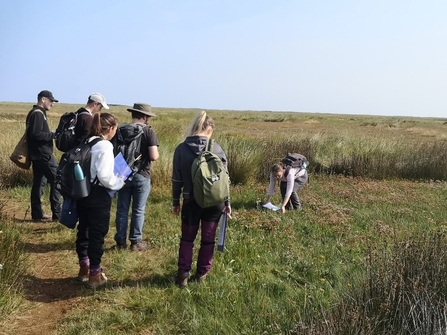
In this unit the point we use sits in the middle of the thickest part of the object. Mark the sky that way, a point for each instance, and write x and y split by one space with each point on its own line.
367 57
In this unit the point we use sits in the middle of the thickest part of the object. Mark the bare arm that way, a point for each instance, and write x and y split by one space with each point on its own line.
153 153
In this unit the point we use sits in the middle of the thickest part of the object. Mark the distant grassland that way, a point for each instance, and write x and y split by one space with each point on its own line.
352 145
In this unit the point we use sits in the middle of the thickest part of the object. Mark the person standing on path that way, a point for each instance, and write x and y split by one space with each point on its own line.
40 149
94 210
136 190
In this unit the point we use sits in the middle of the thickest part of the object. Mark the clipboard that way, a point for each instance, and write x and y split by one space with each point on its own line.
120 168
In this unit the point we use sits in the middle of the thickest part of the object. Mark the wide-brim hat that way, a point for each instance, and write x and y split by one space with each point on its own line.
142 108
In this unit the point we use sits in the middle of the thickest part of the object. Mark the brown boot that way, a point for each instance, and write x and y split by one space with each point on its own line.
83 274
140 246
198 277
181 280
97 281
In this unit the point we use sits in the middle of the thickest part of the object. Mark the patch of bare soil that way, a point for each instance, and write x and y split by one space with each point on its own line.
50 291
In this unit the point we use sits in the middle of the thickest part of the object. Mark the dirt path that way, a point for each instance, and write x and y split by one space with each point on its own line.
50 291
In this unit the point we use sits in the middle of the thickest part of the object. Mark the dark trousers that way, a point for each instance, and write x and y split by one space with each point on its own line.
44 171
94 221
294 201
193 218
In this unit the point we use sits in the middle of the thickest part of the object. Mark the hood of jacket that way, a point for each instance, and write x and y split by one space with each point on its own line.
196 143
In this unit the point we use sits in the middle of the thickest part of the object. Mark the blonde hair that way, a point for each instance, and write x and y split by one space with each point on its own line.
200 123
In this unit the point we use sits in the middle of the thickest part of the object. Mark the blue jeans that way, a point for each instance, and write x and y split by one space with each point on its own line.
137 190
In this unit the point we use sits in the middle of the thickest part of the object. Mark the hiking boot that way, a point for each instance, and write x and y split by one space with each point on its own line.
97 281
83 274
181 280
198 277
119 246
140 246
44 218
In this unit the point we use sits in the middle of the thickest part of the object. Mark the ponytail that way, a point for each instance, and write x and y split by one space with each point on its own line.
101 122
200 123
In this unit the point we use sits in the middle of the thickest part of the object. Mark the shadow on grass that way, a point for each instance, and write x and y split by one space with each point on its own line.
38 248
51 289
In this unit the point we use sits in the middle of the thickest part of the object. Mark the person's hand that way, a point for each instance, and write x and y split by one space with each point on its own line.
267 200
227 209
176 210
283 209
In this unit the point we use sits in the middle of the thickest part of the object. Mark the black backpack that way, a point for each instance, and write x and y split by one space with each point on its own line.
65 132
128 141
66 182
296 161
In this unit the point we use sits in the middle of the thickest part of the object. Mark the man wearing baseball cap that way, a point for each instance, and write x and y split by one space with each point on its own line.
40 149
95 103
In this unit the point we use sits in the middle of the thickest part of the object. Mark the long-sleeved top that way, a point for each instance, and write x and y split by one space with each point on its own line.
290 176
184 155
83 124
39 136
102 164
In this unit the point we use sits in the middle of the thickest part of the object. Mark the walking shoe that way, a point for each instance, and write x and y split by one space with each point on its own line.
97 281
83 274
140 246
44 218
181 280
198 277
119 246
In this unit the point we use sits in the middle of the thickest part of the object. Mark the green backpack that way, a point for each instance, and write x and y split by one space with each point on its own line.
210 181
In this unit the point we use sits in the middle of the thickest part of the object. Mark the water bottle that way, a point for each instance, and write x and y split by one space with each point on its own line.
78 173
304 166
81 184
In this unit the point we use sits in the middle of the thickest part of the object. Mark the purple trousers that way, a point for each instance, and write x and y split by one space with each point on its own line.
193 218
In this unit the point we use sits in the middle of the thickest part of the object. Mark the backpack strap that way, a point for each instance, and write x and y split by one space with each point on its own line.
91 144
210 145
32 112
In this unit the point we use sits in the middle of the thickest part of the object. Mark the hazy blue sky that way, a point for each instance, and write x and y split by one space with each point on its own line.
380 57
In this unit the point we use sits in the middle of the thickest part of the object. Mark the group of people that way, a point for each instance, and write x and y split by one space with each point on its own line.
94 210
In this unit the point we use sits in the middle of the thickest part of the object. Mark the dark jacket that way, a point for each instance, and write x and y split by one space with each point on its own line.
83 124
39 136
184 155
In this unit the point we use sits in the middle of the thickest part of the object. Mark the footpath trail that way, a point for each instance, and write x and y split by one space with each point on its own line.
50 290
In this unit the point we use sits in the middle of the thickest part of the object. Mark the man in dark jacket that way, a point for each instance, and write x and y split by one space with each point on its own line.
40 149
95 103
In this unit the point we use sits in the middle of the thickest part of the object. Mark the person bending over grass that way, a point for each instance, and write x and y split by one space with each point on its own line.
291 180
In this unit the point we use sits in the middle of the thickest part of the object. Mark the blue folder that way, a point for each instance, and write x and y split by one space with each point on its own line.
120 168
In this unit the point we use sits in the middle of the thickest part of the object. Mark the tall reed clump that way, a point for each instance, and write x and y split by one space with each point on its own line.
403 291
243 156
12 266
377 158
